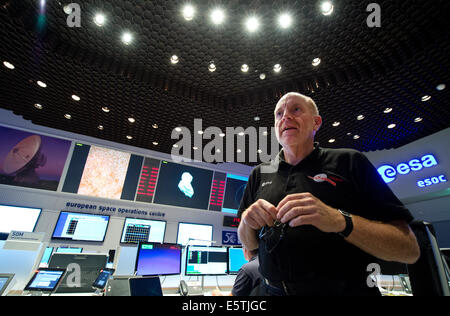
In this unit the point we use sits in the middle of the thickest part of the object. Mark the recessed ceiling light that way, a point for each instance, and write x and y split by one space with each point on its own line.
418 119
335 124
391 126
155 143
238 151
212 67
174 59
99 19
100 127
241 133
349 134
284 20
195 148
222 134
316 62
155 125
218 150
244 68
262 76
38 106
327 8
75 97
332 140
131 119
67 9
41 84
256 118
217 16
68 116
360 117
356 137
127 38
200 132
105 109
8 65
129 137
441 87
265 133
387 110
277 68
252 24
426 98
175 145
188 12
178 129
259 151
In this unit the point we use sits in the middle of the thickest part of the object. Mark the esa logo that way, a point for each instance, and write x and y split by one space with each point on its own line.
389 173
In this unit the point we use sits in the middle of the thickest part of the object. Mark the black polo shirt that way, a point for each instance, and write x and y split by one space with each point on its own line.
323 262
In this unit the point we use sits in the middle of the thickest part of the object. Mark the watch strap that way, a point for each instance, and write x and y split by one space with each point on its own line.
348 224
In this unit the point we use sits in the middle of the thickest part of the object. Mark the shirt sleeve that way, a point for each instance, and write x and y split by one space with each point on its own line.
380 202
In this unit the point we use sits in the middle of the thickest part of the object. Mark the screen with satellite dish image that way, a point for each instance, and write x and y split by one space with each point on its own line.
31 160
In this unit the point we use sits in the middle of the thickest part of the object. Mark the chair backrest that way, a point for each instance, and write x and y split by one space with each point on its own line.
427 275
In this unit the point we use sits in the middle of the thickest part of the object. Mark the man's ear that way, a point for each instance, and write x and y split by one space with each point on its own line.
317 122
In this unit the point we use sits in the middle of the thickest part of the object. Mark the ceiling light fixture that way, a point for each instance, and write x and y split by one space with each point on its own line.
217 16
127 38
336 124
155 143
188 12
327 8
41 84
38 106
356 137
212 67
68 116
418 119
387 110
244 68
105 109
441 87
100 127
155 126
129 137
252 24
99 19
277 68
426 98
174 59
131 119
332 140
316 62
262 76
75 97
284 20
8 65
360 117
390 126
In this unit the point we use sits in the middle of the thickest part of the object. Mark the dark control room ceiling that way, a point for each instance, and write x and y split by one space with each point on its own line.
369 78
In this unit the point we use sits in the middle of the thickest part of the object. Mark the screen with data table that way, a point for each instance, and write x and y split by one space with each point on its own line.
137 230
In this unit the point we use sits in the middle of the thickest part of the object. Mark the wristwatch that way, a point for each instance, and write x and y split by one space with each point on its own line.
348 224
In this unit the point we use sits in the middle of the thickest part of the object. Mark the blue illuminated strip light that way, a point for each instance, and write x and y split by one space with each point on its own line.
234 176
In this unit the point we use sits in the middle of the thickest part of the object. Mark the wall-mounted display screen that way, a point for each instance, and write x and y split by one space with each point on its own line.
103 172
185 186
147 180
17 218
31 160
195 234
234 191
217 191
80 226
158 259
206 260
137 230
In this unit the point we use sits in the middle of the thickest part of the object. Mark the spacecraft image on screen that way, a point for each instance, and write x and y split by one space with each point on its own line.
185 184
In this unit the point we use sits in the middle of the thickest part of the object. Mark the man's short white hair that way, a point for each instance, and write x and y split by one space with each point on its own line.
310 101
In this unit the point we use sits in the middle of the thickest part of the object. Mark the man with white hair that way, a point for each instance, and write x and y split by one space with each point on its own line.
320 216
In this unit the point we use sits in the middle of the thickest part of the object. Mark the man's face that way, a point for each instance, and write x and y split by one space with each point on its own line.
295 121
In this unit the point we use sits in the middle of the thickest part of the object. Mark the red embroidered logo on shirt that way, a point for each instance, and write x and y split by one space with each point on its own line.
321 177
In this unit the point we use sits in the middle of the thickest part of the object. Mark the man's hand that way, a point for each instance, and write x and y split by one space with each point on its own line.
305 209
260 214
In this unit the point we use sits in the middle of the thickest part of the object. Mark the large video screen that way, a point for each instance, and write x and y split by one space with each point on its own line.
206 260
103 172
234 190
137 230
31 160
194 234
81 226
17 218
185 186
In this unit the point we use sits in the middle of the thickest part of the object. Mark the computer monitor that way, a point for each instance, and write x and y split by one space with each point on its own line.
17 218
46 256
83 270
81 226
137 230
103 278
69 250
206 260
234 191
194 234
154 259
45 280
236 260
146 286
5 279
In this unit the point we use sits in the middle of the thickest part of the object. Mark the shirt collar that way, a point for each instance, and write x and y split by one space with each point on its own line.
312 156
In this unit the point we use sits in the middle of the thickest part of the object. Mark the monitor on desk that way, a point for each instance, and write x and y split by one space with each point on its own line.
147 286
236 260
206 260
45 280
69 250
5 279
154 259
194 234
